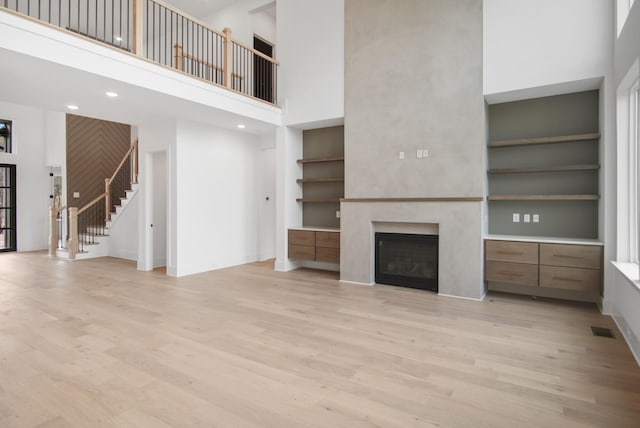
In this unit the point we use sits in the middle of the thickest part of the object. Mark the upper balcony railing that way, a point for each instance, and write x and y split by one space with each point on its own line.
158 32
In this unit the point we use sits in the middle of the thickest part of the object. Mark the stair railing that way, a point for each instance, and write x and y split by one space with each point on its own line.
115 187
84 225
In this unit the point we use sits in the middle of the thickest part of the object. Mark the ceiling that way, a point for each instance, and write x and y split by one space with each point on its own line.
50 86
200 8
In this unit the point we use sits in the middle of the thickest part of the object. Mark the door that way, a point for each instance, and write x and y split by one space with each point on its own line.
159 196
263 71
8 236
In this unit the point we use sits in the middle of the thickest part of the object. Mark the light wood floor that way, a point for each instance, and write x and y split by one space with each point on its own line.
98 344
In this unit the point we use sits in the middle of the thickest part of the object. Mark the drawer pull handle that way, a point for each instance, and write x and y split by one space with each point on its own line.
514 253
567 256
505 272
564 278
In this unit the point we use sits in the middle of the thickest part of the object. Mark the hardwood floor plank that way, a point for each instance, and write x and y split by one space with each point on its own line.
97 343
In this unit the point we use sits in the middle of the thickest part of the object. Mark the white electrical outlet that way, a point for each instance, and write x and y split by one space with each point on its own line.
76 194
419 153
526 218
516 218
337 214
401 155
536 218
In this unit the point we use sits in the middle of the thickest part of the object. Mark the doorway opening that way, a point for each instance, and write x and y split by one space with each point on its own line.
263 74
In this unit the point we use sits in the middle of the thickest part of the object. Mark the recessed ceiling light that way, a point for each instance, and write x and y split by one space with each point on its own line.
111 94
72 107
241 126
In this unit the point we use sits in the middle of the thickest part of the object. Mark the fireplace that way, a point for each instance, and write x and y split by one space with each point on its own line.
407 260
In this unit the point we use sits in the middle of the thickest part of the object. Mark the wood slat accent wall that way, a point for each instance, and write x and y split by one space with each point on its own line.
94 150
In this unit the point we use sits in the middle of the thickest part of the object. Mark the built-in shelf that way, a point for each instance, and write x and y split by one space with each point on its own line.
557 168
543 197
320 180
321 160
544 140
318 200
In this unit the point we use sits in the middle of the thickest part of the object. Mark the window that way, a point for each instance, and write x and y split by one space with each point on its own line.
623 7
634 166
628 168
5 136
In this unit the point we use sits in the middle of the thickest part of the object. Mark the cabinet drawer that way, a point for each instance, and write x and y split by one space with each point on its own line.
511 251
328 239
512 273
580 256
570 278
302 252
329 255
302 237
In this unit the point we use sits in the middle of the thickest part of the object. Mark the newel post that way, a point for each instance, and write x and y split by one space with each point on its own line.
178 54
73 233
228 57
138 29
107 200
53 230
135 163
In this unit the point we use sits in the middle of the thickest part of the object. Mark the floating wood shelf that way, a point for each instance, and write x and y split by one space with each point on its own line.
558 168
320 180
544 140
319 200
543 197
320 160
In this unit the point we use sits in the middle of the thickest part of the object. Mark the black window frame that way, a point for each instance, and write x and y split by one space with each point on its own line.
13 245
8 126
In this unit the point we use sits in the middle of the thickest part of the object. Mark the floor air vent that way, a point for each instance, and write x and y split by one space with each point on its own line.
602 332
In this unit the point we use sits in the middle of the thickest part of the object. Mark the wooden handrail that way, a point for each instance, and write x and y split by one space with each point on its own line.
179 55
124 159
90 204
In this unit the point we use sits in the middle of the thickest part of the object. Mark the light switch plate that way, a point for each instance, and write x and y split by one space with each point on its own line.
76 194
401 155
425 153
516 217
419 153
337 214
536 218
526 218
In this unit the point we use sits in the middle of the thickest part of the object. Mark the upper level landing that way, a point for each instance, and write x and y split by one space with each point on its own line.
172 67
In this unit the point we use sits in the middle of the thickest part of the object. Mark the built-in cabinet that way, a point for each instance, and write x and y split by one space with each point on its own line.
543 195
317 245
573 267
322 187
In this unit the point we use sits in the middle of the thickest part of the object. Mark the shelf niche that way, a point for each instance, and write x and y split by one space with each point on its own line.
543 158
322 176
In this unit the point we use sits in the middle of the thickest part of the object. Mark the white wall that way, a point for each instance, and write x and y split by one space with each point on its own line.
218 190
159 160
56 138
32 177
153 138
123 234
531 43
310 48
244 20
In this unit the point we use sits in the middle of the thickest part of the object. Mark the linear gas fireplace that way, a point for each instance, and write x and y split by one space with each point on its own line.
407 260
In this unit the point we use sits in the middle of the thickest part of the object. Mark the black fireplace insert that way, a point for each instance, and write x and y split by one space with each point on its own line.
407 260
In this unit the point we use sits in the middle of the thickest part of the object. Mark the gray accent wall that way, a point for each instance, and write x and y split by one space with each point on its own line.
413 80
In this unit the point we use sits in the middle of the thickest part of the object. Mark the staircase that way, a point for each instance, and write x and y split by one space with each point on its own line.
83 233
